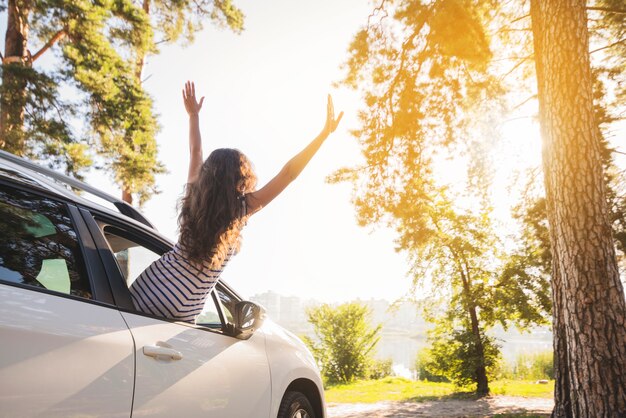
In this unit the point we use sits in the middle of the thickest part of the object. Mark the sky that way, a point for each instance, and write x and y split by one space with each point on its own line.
265 94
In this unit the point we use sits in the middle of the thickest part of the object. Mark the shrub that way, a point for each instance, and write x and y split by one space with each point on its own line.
422 361
534 366
345 341
380 368
455 355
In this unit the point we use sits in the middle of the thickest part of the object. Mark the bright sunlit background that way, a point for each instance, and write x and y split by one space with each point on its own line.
266 95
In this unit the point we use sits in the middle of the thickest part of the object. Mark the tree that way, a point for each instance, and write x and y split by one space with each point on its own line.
589 306
458 354
426 86
38 122
429 89
345 341
473 286
172 19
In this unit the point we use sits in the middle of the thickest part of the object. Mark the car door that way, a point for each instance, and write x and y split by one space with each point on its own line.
66 350
182 369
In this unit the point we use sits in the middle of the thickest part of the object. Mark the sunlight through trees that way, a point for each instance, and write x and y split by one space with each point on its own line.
432 75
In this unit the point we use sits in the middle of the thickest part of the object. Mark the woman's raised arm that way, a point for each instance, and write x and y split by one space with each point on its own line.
260 198
195 140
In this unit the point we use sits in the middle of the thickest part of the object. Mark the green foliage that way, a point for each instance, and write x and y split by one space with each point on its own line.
174 19
456 354
423 360
473 286
532 366
120 111
45 132
379 369
345 341
95 40
107 110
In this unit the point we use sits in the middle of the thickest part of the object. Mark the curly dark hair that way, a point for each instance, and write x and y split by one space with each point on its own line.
211 215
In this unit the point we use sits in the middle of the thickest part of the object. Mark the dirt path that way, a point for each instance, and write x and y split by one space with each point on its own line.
485 407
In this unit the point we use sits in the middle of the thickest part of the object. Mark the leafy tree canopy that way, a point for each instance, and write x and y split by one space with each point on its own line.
90 96
437 78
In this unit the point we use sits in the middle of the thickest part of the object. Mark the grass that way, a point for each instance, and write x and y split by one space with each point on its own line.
522 388
387 389
401 389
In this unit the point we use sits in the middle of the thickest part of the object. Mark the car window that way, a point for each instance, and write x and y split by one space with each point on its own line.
132 258
39 245
210 316
227 303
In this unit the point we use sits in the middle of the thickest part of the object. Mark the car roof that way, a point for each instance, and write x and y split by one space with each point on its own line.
32 175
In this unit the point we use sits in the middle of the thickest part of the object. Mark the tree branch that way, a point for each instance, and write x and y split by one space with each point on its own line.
520 18
523 60
608 46
163 41
534 96
381 7
608 10
56 38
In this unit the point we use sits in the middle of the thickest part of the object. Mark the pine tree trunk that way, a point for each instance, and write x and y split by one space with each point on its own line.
126 195
13 100
589 310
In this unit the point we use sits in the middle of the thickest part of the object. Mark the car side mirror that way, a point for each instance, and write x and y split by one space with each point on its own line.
248 318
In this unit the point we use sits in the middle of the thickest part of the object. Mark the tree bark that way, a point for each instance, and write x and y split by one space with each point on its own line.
16 56
589 310
482 382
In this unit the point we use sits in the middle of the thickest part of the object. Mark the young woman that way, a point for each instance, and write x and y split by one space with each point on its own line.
220 197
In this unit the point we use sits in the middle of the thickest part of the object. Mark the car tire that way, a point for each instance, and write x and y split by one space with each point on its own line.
295 405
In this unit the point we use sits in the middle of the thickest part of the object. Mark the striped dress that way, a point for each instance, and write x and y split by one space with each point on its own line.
172 287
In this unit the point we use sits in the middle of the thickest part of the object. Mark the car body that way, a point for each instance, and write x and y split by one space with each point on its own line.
73 343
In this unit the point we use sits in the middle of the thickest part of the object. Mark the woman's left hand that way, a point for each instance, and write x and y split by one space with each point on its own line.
189 99
331 122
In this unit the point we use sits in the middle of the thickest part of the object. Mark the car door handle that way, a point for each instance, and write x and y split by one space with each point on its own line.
161 350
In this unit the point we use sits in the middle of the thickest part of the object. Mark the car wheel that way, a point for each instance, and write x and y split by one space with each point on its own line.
295 405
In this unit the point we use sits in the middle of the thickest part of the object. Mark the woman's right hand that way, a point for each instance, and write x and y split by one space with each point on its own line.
189 99
331 123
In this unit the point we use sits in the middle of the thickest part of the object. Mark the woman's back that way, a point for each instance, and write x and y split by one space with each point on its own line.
173 287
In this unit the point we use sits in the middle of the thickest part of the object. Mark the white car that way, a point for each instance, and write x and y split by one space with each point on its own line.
73 345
